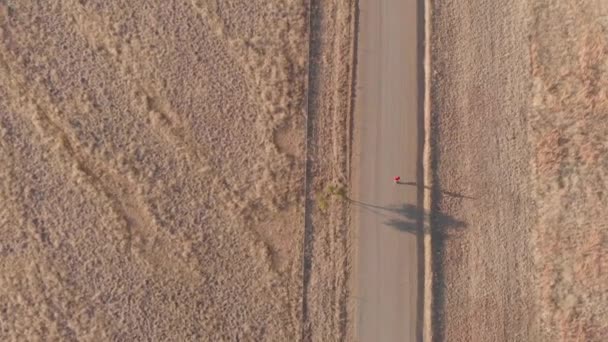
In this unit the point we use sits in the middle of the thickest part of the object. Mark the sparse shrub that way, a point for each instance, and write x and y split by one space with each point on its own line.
330 191
341 192
322 203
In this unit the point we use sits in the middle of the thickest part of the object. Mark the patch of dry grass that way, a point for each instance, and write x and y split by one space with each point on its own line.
568 130
329 109
152 169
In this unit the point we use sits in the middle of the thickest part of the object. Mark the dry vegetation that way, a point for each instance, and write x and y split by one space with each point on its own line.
569 126
154 161
525 127
483 270
152 170
329 105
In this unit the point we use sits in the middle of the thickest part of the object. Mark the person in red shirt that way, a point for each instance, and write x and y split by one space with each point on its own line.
397 179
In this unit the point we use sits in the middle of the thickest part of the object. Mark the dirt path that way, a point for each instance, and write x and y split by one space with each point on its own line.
386 216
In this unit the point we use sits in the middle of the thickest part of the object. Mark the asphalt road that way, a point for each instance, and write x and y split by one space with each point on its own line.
387 273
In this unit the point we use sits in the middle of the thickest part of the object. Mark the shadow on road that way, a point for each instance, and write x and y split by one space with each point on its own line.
409 218
413 219
447 193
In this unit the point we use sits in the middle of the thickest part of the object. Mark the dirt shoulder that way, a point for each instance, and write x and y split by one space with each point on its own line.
327 259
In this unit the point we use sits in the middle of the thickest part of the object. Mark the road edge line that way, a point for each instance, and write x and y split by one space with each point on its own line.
427 180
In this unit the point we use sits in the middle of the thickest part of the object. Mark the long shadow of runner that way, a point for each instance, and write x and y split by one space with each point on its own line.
414 220
443 192
409 218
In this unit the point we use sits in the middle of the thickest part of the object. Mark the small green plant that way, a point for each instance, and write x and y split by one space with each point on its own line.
330 191
341 192
322 203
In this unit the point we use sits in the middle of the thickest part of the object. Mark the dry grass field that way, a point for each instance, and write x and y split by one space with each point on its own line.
520 106
152 176
568 130
173 170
